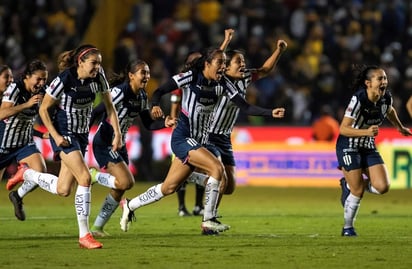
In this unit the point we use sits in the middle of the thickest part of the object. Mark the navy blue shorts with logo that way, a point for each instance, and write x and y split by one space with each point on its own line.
103 153
77 142
351 159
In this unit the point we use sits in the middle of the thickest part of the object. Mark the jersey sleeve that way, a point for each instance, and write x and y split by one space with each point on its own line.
55 89
117 95
11 93
353 108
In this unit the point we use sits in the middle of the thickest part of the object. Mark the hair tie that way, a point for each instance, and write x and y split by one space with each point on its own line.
84 52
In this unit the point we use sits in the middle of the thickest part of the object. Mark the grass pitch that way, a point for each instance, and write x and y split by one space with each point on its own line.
271 228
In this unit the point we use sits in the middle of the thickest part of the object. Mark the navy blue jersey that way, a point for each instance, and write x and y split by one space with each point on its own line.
364 114
128 106
76 98
226 112
199 97
17 130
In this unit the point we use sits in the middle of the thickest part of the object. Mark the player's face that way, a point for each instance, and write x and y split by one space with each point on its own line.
214 69
89 68
236 68
6 77
140 78
36 81
377 85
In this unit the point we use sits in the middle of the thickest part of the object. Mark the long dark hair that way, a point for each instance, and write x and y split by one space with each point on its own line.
207 56
32 67
360 74
132 67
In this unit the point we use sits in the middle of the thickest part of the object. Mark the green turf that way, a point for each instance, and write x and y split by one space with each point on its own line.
271 228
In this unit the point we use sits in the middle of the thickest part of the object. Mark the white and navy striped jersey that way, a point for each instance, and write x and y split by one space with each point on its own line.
365 114
17 130
128 106
199 97
76 100
226 112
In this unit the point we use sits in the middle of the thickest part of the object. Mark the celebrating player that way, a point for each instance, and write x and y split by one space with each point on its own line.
355 148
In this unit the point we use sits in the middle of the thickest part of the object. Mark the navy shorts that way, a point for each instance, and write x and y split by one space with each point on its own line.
181 145
351 159
223 144
77 142
104 154
10 156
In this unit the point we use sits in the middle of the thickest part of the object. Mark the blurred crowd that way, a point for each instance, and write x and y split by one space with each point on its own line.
325 38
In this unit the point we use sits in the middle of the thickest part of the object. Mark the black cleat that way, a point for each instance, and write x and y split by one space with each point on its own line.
18 205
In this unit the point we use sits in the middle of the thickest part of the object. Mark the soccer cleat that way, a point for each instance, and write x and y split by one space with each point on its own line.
183 212
93 174
206 231
18 205
127 215
18 177
198 211
89 242
345 191
98 232
349 232
214 225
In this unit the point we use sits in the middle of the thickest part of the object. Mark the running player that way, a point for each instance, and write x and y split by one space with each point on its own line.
65 111
201 89
19 110
356 151
130 99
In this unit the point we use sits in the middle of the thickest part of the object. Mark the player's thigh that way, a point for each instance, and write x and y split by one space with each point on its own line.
35 162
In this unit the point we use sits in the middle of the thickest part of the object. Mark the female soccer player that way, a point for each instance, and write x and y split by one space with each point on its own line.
130 100
201 89
356 151
175 99
226 112
65 111
19 110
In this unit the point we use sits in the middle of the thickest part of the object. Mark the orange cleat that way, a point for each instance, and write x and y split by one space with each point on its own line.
89 242
18 177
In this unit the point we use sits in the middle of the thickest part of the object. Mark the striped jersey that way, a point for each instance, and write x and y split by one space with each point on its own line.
17 130
128 106
76 100
199 97
226 112
365 114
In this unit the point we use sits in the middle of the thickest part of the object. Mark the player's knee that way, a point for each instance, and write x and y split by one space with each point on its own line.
124 186
383 189
64 193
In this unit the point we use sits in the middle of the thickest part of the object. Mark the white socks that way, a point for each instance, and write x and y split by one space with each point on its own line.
106 211
45 181
351 209
82 204
211 195
104 179
198 178
25 188
152 195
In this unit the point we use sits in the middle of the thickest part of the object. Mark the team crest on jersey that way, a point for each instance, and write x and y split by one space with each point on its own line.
384 108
